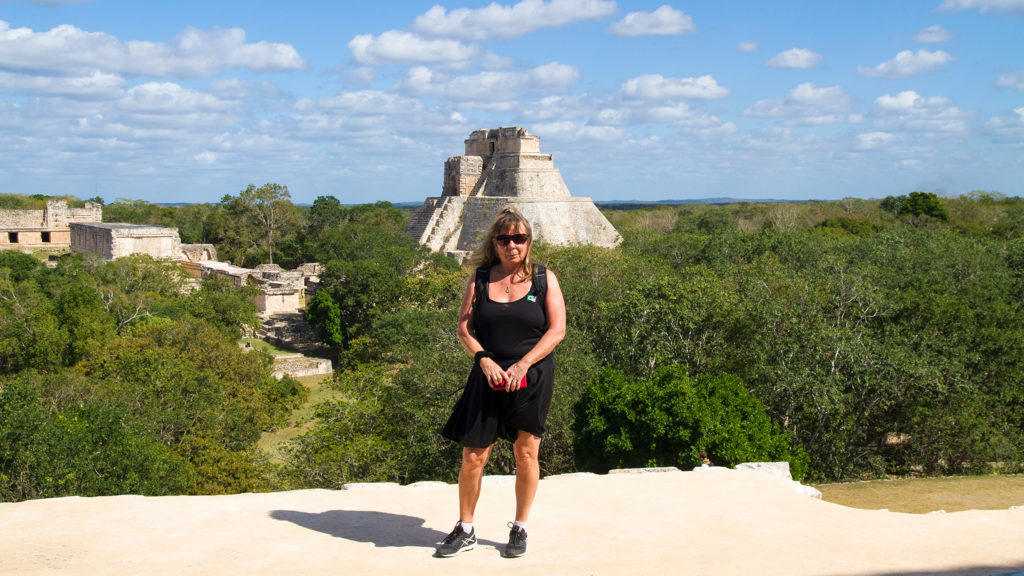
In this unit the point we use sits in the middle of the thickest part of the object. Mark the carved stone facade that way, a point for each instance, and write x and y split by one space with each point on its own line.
504 167
117 239
45 229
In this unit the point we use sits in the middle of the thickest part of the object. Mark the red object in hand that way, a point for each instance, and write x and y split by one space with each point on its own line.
522 384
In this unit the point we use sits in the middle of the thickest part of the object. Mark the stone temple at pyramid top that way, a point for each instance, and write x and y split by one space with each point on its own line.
505 167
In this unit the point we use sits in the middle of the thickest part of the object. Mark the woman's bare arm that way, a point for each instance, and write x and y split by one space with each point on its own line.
494 374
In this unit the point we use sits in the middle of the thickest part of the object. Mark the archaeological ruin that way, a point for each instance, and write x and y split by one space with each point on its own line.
112 240
504 167
46 229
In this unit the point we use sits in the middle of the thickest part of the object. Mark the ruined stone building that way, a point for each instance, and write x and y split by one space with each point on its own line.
46 229
504 167
280 291
113 240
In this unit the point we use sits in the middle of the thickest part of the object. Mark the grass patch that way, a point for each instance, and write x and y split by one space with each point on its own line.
264 346
922 495
301 418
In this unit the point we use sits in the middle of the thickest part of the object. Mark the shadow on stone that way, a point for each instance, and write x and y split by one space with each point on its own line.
379 528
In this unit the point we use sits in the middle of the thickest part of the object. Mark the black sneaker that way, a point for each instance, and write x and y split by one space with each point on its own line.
456 543
516 542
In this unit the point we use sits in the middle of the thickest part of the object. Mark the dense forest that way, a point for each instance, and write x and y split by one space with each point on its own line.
853 338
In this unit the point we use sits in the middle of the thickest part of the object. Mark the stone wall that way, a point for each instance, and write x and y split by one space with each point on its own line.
503 140
14 219
462 175
575 221
297 365
35 239
199 252
117 240
47 228
275 301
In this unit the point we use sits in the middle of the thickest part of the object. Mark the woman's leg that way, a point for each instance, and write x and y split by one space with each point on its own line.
470 477
526 449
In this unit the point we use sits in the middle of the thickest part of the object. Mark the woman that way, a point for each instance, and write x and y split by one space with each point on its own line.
511 319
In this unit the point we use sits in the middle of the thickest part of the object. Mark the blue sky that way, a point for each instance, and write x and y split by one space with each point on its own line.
187 101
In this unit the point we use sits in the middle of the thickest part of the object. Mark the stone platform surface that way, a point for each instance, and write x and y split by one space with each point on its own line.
711 521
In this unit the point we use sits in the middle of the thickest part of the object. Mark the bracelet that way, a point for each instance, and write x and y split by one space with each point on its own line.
481 355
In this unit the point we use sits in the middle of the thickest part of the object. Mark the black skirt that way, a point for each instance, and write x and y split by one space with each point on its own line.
482 415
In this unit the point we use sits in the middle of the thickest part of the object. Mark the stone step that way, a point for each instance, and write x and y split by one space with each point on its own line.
421 220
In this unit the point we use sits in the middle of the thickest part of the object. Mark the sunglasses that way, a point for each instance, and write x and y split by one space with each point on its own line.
504 239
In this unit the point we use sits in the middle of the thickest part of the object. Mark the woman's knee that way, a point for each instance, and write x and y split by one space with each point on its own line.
526 449
475 458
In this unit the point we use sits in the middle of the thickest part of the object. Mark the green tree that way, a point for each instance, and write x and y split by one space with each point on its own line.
270 205
669 419
925 204
324 314
64 443
325 213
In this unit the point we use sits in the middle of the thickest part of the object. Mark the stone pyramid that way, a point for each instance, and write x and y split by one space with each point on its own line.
504 167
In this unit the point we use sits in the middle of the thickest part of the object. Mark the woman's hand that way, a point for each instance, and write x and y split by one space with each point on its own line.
494 374
515 375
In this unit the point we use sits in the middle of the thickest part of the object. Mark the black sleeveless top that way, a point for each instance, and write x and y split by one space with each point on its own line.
511 329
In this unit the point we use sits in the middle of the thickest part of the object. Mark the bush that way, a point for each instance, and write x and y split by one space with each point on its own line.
669 419
87 448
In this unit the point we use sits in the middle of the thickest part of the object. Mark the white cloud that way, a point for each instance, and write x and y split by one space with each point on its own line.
361 76
795 58
747 46
560 107
1013 80
371 102
662 22
872 140
656 87
205 157
231 88
492 61
1011 124
498 21
986 6
933 34
908 63
395 48
97 86
572 131
906 102
169 98
806 104
194 53
677 114
489 86
909 110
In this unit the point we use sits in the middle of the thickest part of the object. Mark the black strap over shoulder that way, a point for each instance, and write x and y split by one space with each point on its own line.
540 283
481 284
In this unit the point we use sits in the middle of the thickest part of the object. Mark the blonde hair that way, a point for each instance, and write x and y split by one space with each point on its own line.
508 219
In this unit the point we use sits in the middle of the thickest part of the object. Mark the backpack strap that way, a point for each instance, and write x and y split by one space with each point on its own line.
540 282
482 274
540 289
